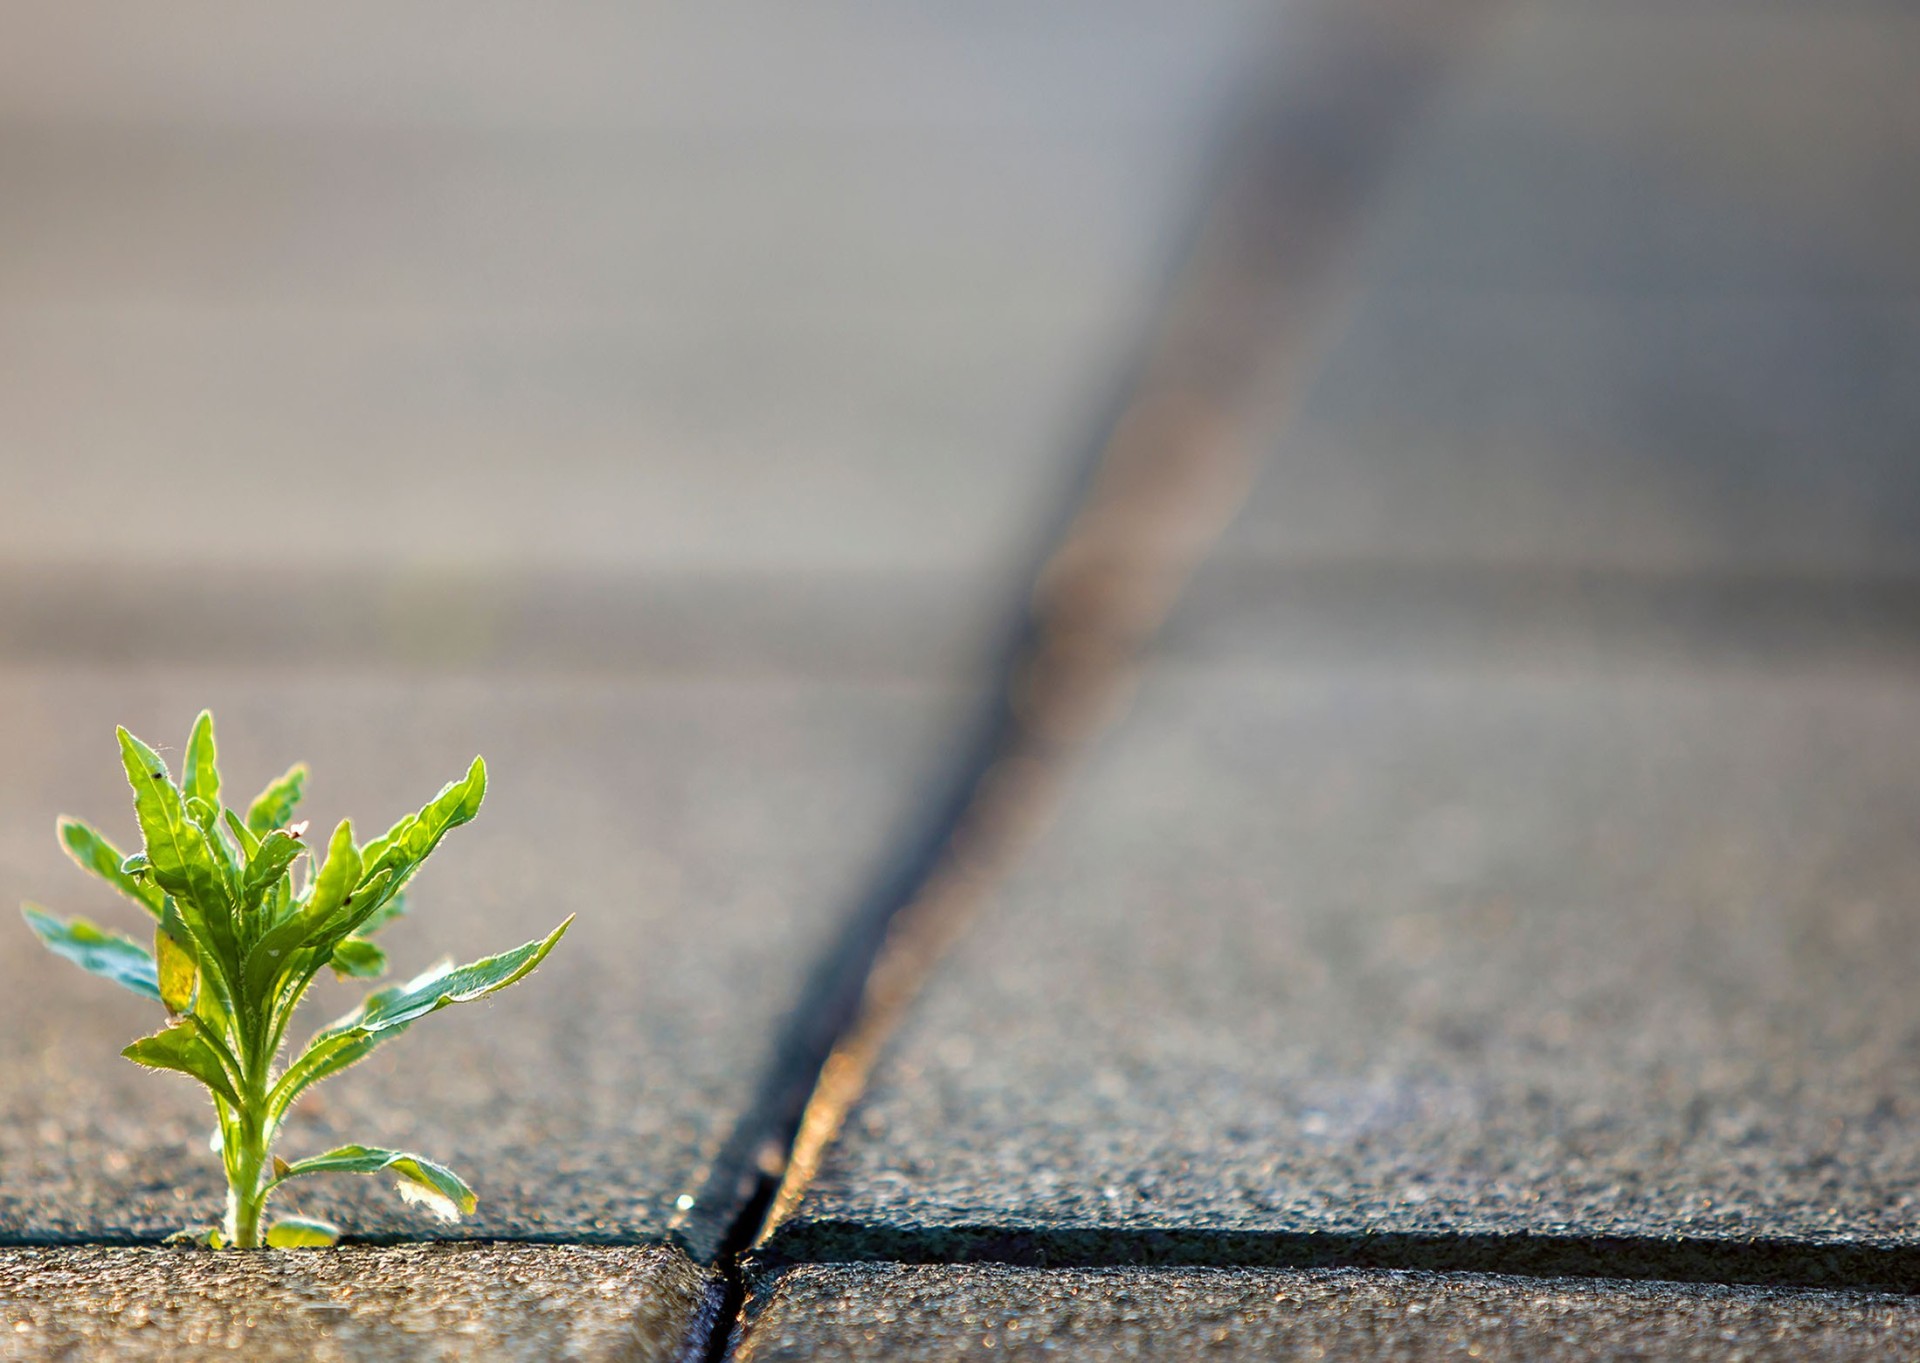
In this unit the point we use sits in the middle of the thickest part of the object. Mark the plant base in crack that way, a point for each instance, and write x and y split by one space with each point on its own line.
243 920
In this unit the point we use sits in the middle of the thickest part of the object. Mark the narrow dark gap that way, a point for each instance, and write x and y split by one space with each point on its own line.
746 1175
1294 162
1679 1259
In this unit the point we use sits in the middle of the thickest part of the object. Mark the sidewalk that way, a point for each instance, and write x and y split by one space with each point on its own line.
1475 924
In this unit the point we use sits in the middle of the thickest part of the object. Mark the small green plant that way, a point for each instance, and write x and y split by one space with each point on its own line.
243 922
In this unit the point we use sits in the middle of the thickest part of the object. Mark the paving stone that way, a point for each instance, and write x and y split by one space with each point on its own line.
453 383
833 295
709 831
1669 148
1639 296
1474 960
1669 435
884 1311
481 1302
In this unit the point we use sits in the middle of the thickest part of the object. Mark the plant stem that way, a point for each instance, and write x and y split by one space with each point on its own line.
246 1167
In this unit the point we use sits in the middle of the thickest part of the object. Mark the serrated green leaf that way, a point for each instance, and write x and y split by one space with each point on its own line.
435 1184
102 953
273 807
199 773
176 963
388 1012
442 987
357 958
183 862
182 1048
302 1232
322 1059
403 847
91 852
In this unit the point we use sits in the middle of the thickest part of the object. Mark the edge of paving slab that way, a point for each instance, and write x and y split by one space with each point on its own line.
1757 1262
499 1300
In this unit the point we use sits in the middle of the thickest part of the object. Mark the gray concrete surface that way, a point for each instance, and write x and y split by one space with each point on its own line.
659 406
1507 861
883 1311
485 1303
618 289
1641 297
708 830
1474 952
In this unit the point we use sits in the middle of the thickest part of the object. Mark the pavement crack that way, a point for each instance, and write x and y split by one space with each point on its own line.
1757 1262
1167 467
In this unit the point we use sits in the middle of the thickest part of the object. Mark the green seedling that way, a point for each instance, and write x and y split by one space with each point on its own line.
244 919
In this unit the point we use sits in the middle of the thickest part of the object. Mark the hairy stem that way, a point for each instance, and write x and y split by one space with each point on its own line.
246 1155
246 1198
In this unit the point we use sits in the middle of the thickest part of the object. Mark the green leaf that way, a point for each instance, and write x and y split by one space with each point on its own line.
403 847
440 987
183 862
182 1048
444 1191
106 954
268 961
199 776
176 962
302 1232
273 807
91 852
322 1059
388 1012
275 853
359 959
243 837
207 817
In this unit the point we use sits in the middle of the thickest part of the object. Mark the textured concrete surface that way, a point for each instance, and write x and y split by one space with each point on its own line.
1509 859
1476 952
883 1311
486 1303
1640 297
671 439
708 830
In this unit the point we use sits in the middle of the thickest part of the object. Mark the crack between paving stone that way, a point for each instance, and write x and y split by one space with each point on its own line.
1170 465
1756 1262
1230 348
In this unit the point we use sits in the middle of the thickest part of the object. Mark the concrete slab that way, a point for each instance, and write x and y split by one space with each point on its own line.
1660 149
1607 432
482 1302
1410 963
1639 265
633 291
709 830
886 1311
811 316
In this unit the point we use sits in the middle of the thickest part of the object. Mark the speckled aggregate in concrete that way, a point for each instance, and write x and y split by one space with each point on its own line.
825 305
707 830
1476 952
859 1312
485 1303
1515 837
